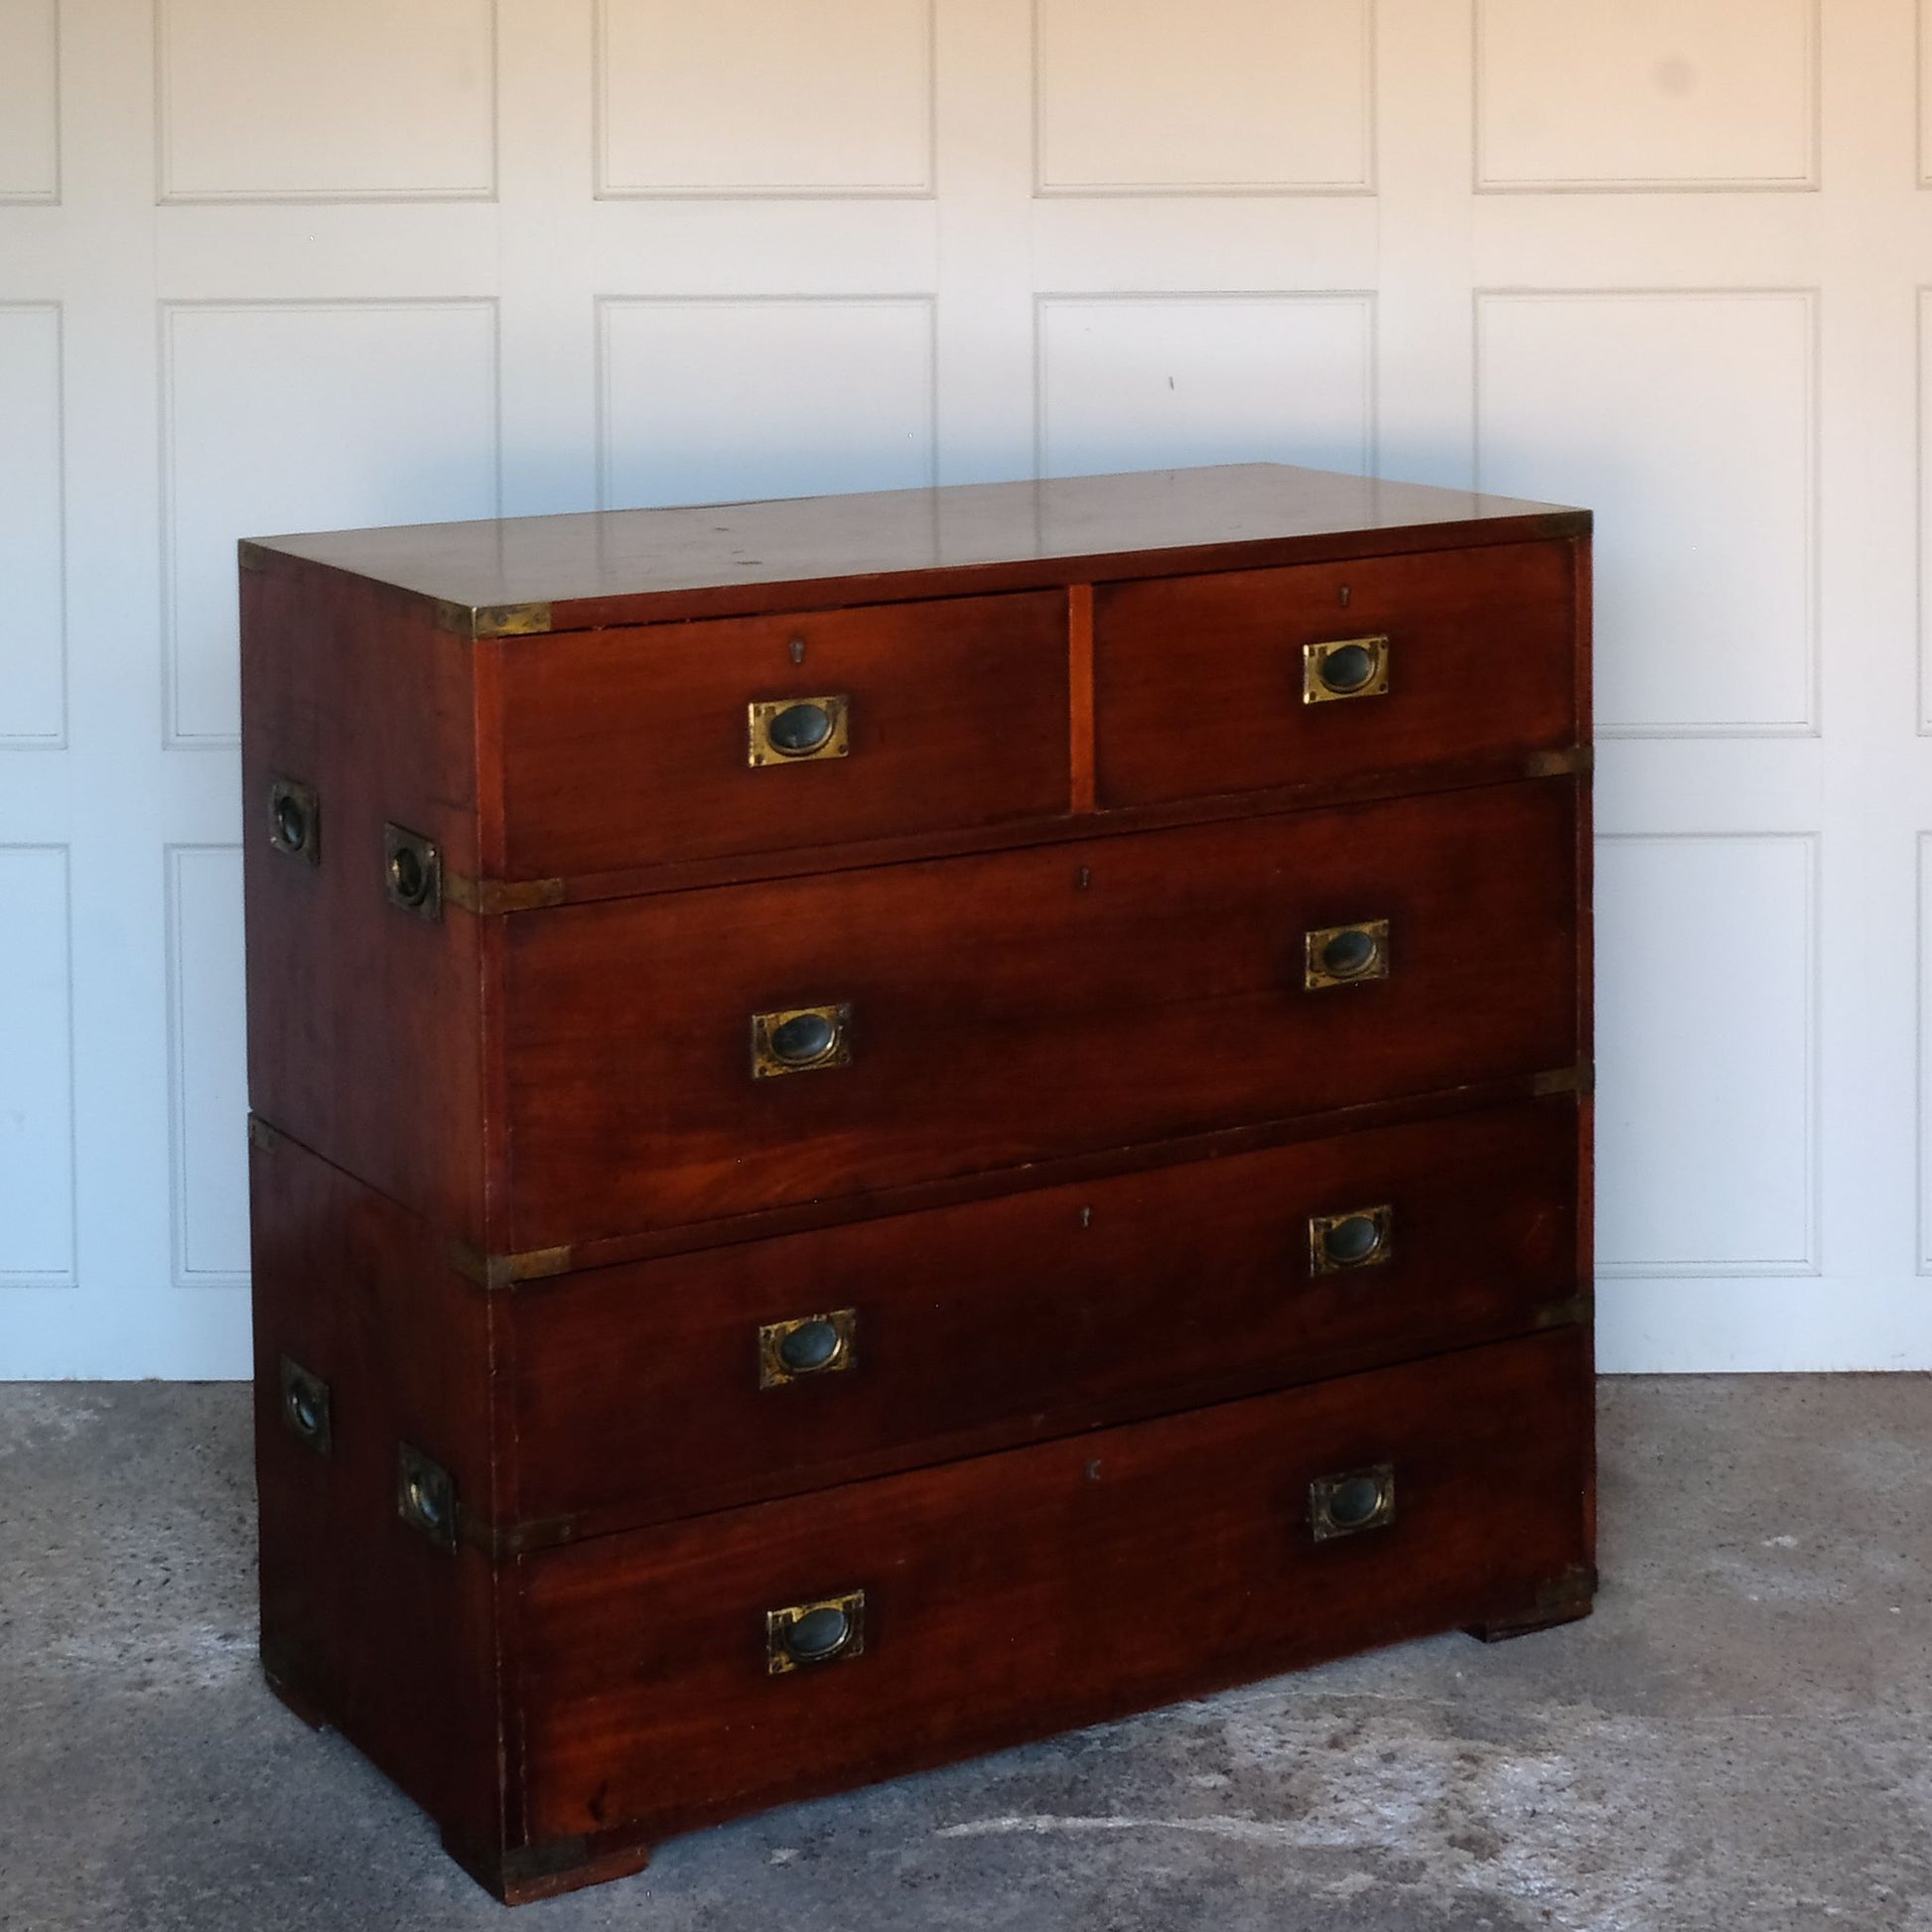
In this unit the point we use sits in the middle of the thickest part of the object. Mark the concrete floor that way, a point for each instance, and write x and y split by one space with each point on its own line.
1740 1739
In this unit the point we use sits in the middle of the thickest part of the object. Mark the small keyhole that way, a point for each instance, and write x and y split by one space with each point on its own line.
1083 879
1347 593
798 646
1086 1217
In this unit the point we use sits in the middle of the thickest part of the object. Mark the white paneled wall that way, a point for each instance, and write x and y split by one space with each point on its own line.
268 266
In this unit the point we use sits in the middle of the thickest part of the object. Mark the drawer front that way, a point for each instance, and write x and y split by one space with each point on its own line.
1205 685
992 1011
665 1388
636 746
1019 1595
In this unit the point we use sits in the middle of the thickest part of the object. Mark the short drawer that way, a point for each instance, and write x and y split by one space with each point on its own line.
702 1056
1251 680
676 1675
638 746
664 1388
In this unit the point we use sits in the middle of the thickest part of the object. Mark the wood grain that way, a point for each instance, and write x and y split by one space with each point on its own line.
1015 1595
1004 1012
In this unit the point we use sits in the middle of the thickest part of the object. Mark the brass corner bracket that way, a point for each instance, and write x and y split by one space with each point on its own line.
475 621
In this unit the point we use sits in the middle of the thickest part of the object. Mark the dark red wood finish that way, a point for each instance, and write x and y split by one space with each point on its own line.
1004 1012
635 1389
626 748
620 1396
611 567
1013 1595
1063 880
1200 680
365 1623
365 1034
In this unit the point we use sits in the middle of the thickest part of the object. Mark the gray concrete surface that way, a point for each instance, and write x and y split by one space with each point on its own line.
1740 1739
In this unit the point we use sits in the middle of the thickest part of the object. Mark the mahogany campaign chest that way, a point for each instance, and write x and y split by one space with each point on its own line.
885 1125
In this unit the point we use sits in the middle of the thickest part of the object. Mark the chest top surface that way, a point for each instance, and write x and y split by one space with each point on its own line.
593 568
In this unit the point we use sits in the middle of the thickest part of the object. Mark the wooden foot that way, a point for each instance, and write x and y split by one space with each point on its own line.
527 1872
311 1713
1563 1599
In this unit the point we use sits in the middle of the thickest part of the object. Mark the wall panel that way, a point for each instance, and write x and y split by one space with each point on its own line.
1647 93
355 100
1707 1048
1130 381
30 129
307 416
1225 97
763 97
37 1176
208 1067
1686 419
33 640
828 393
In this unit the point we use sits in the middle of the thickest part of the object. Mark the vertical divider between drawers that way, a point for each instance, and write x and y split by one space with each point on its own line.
1080 708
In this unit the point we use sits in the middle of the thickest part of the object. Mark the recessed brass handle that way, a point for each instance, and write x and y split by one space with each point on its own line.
810 1344
1347 667
295 820
800 1040
827 1630
1345 955
794 731
1356 1239
424 1496
304 1407
1353 1501
412 871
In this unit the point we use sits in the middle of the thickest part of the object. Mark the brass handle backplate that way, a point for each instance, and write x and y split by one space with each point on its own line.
412 871
1347 667
1345 955
1351 1503
827 1630
800 1040
424 1496
796 731
295 820
304 1407
1357 1239
806 1346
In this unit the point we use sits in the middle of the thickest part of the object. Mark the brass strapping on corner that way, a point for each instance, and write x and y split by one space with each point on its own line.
473 620
1566 1079
260 1133
506 1271
250 556
492 895
1558 764
1573 1313
501 1540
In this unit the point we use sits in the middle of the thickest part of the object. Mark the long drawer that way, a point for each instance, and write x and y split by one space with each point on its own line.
681 1673
1250 679
667 1387
693 1057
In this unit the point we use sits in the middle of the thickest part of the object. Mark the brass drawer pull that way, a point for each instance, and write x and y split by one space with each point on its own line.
794 731
424 1496
1356 1239
1350 667
1346 955
295 820
1353 1501
825 1631
412 871
800 1040
812 1344
304 1407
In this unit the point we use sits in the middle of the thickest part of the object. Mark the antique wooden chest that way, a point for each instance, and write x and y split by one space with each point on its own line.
885 1125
